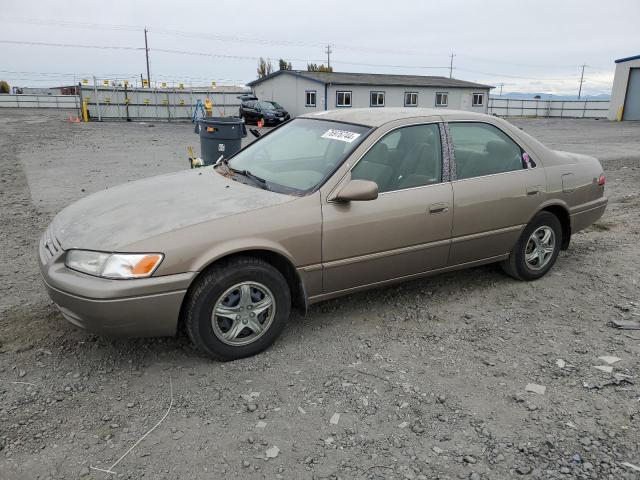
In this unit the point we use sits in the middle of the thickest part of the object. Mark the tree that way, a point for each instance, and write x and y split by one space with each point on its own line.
264 67
312 67
284 65
4 87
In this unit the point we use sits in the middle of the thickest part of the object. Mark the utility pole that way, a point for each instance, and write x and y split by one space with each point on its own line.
451 66
328 51
501 85
146 51
581 81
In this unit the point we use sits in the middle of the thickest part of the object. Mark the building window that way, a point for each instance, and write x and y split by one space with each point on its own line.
478 99
343 99
310 98
410 99
376 99
442 99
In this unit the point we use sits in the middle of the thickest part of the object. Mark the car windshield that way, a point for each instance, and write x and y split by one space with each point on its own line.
275 104
297 157
267 105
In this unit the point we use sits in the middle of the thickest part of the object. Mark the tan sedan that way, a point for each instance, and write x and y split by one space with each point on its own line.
327 204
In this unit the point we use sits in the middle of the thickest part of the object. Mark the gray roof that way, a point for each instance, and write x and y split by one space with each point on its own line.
376 117
375 79
628 59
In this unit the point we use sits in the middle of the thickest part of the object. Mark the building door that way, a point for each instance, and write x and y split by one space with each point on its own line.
632 100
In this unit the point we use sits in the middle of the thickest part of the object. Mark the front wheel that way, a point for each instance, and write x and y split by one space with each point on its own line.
537 248
237 309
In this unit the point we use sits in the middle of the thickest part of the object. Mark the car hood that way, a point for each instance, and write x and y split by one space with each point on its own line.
114 218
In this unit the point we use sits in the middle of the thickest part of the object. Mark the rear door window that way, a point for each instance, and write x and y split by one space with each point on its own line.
482 149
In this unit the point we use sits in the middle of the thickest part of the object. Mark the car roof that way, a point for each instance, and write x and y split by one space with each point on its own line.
376 117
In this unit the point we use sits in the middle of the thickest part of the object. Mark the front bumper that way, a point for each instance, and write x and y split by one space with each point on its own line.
276 120
140 307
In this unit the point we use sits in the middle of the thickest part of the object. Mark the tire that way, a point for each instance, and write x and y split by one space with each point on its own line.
237 289
540 262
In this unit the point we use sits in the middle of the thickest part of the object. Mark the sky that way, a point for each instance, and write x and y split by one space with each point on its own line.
525 46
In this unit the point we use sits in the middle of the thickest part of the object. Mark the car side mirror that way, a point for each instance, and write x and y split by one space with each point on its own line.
357 190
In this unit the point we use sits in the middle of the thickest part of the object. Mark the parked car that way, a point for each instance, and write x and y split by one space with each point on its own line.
271 113
325 205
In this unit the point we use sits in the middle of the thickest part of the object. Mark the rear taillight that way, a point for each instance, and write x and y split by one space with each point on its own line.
601 180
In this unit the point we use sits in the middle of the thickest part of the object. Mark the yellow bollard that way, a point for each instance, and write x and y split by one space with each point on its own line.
208 107
85 112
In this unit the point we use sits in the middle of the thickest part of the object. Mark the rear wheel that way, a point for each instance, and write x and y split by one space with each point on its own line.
237 309
537 248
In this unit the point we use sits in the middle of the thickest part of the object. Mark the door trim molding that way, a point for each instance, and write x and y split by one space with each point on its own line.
475 236
460 266
386 253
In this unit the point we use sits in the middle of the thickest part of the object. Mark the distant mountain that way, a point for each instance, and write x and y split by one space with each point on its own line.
550 96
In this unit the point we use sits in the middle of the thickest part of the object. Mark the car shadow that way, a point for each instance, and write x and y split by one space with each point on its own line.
54 332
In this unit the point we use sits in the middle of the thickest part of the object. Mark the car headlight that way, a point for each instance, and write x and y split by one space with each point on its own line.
113 265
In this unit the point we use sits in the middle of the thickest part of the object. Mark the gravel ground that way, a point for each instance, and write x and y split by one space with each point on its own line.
424 380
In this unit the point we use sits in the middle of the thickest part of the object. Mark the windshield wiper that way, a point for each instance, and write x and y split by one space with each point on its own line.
250 175
261 182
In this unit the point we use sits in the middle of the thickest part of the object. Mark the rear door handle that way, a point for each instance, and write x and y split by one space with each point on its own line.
533 190
436 208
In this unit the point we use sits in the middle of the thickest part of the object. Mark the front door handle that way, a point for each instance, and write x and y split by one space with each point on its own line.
436 208
535 190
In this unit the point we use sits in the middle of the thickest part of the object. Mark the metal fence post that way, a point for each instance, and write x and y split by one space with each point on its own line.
95 92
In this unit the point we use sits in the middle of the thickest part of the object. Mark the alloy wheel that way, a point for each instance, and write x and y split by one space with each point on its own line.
540 248
243 313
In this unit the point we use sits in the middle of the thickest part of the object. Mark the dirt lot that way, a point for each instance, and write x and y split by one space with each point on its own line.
428 378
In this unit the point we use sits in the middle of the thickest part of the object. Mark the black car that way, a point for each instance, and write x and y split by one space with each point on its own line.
271 113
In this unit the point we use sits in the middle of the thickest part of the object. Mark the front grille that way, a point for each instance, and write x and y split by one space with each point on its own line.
50 244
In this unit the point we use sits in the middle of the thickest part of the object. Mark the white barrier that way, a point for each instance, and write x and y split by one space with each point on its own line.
509 107
67 102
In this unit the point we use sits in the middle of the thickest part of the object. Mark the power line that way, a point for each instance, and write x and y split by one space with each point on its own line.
515 64
262 41
253 58
302 60
493 74
71 24
70 45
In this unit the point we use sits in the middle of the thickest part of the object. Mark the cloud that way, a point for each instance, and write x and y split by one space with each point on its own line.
522 44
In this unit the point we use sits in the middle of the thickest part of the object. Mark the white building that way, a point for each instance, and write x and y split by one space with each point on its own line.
625 96
301 92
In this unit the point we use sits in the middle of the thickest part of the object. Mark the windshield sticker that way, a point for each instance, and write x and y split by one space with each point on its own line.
342 135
